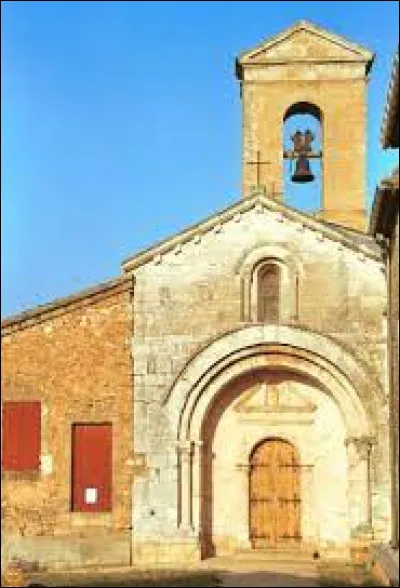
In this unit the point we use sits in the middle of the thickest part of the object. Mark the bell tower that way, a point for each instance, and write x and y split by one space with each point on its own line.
307 70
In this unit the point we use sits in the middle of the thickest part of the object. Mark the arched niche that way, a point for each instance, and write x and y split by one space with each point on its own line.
290 270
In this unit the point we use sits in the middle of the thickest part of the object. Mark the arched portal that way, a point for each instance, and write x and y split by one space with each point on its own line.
262 382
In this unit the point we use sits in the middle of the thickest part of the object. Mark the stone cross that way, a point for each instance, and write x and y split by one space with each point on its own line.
258 163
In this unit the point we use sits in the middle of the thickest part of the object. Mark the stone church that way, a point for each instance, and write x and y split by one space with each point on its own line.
229 390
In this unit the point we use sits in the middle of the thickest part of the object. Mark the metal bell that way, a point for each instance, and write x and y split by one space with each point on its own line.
302 173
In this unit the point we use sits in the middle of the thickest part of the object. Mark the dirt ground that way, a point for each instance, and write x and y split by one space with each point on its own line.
345 574
224 572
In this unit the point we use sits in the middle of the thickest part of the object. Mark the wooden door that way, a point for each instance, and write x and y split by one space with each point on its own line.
274 495
91 467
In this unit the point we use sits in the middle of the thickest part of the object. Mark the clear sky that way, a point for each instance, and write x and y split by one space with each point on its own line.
121 125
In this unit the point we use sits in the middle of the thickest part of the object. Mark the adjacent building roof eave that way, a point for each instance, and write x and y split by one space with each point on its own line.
103 289
390 123
385 206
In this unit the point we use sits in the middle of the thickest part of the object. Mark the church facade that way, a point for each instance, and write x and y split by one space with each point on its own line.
229 391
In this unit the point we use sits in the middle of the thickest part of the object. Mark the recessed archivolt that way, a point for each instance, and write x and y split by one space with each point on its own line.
335 386
333 369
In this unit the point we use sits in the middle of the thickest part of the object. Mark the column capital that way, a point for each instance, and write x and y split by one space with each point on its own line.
242 467
362 445
183 446
188 446
198 442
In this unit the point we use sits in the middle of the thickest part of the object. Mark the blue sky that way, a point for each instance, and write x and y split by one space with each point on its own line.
121 124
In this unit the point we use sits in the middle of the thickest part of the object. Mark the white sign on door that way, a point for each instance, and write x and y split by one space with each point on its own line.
90 495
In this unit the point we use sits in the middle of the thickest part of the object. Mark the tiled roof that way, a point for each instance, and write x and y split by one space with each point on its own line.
92 293
385 208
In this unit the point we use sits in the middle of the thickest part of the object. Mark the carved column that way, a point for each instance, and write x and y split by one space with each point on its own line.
184 486
196 454
310 522
244 537
359 482
249 297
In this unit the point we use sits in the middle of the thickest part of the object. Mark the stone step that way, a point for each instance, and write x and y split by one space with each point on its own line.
272 555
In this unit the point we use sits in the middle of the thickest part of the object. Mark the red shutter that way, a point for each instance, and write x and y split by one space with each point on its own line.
21 426
91 467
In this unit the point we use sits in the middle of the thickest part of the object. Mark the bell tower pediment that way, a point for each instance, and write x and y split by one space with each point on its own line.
305 42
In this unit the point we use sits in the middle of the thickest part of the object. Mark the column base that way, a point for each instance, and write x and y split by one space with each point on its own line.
179 549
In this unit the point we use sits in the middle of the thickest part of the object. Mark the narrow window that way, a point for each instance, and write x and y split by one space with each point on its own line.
268 294
92 467
21 424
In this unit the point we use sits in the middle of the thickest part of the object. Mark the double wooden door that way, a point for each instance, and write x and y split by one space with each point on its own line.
274 495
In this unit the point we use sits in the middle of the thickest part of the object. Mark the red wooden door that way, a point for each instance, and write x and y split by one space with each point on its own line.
274 494
92 467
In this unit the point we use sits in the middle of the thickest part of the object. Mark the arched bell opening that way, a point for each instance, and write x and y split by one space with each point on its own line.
303 156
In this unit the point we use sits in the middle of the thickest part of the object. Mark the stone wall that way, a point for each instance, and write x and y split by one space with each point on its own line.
394 369
197 291
194 293
75 357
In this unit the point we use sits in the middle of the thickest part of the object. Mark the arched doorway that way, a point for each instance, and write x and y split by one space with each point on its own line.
220 412
274 494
